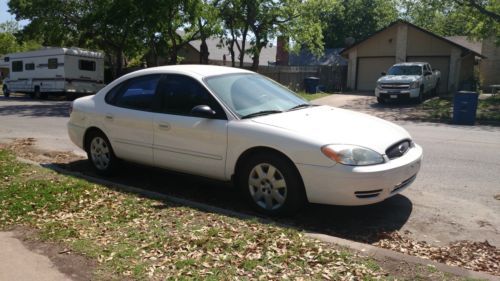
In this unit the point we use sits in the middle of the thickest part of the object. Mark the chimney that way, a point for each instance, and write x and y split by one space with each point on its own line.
281 51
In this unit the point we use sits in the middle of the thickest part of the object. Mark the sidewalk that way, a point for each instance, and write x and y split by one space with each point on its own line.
19 263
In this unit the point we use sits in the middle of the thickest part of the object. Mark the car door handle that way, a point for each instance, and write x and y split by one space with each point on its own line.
109 117
164 126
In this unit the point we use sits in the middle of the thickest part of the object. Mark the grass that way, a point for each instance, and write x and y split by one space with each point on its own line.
442 108
137 238
311 97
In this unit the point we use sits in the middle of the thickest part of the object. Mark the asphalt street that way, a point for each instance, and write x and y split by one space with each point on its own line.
453 197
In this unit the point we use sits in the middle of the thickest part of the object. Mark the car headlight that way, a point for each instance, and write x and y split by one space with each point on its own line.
352 155
414 84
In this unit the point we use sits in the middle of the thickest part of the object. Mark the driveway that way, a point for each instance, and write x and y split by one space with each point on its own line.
452 199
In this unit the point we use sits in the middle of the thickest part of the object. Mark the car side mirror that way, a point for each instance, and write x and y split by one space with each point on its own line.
203 111
427 73
383 73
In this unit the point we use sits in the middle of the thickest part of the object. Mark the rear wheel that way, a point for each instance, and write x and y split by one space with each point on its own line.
36 93
100 153
271 184
6 92
420 98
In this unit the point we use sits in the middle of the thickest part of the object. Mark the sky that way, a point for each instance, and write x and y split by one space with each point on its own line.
5 15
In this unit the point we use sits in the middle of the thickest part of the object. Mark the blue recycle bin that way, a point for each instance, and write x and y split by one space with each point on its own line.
311 84
465 107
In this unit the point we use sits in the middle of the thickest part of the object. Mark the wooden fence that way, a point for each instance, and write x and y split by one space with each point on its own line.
332 78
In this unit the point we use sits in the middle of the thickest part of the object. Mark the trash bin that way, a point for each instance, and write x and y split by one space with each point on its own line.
311 84
464 108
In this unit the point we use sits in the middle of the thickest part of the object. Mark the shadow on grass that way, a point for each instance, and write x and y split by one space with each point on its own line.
362 223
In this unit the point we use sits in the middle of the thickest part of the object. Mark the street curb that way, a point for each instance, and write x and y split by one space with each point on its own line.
364 249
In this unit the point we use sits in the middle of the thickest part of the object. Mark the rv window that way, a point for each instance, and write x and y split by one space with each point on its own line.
17 66
53 63
29 66
87 65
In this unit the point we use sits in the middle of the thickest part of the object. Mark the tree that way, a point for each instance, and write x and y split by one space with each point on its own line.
355 20
9 42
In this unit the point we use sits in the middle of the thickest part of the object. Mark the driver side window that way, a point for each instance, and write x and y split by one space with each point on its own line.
179 94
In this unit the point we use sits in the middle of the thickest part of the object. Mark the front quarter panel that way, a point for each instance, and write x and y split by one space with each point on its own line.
246 134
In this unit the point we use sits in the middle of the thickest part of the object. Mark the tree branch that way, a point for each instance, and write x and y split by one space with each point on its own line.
481 9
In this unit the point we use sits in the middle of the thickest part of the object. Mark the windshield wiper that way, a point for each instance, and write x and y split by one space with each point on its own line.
302 105
260 113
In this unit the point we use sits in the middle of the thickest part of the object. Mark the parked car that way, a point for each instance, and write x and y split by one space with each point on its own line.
408 80
235 125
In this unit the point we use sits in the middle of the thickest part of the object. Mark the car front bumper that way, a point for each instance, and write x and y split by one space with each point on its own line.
361 185
396 93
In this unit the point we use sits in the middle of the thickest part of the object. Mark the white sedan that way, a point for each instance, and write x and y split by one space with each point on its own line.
235 125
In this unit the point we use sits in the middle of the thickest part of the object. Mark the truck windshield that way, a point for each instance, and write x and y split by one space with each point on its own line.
405 70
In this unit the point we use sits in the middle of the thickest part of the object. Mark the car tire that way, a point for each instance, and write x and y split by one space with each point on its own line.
6 92
420 98
380 100
436 89
100 153
271 184
36 93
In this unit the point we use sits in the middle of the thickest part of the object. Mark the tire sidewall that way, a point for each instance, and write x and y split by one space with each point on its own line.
6 92
295 197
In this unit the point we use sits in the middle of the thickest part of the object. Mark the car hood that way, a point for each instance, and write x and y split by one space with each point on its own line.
398 79
329 125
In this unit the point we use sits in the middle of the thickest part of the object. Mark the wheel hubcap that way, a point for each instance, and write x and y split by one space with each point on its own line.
267 186
99 151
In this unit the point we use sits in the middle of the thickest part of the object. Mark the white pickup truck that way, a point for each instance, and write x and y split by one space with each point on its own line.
407 80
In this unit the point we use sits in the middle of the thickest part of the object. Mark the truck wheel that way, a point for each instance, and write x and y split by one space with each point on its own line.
436 89
380 100
420 98
6 92
271 184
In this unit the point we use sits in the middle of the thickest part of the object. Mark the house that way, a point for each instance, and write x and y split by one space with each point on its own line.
489 65
220 55
402 41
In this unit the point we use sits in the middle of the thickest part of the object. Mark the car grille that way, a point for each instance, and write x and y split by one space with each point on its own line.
395 86
368 193
398 149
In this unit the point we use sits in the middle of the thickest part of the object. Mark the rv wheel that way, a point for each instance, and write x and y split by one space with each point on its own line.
6 92
36 94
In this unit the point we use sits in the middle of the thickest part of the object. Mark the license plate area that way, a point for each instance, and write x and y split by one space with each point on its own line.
393 96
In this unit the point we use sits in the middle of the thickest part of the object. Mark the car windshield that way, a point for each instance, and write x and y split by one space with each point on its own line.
250 95
405 70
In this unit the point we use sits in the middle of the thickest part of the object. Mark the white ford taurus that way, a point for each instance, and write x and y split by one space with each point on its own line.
232 124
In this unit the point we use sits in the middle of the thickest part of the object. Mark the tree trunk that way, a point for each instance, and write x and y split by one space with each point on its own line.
204 54
243 43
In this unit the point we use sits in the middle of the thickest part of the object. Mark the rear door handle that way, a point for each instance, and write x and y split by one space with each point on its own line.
164 126
109 117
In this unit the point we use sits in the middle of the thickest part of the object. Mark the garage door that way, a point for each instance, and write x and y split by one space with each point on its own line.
369 70
441 63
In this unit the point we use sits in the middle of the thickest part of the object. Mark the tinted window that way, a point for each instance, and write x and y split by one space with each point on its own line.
138 93
53 63
179 94
87 65
29 66
17 66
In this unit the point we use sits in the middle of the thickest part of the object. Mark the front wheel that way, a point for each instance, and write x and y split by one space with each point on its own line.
380 100
420 98
100 153
271 184
6 92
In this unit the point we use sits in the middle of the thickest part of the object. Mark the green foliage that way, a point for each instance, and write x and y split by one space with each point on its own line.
9 43
355 20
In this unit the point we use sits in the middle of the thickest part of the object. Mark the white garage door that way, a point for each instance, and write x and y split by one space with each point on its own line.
369 70
441 63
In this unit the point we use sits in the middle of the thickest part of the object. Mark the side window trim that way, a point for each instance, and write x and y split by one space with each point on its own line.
223 114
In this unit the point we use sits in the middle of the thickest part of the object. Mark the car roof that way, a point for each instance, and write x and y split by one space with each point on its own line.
197 70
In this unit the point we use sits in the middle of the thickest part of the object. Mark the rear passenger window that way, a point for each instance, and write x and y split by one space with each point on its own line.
137 93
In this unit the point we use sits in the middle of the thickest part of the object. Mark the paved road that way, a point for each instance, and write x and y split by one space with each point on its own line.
452 198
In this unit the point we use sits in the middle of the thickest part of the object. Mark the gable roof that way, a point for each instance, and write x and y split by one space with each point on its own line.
345 51
467 43
305 57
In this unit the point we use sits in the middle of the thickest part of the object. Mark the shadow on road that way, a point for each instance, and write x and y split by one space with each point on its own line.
362 223
27 107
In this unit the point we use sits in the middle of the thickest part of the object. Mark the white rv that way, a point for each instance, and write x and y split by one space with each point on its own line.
68 71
